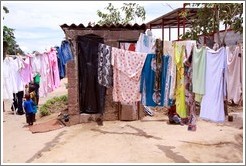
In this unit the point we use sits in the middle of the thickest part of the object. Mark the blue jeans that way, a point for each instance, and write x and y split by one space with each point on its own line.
65 52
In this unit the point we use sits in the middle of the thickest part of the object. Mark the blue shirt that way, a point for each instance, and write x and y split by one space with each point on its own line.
28 106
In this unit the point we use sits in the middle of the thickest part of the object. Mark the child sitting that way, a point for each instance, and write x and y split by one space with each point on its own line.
28 107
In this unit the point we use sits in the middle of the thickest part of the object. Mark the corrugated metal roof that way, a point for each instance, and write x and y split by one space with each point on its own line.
171 19
108 27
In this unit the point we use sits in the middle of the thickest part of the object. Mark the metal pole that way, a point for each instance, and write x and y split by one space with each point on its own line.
184 19
162 26
178 26
169 33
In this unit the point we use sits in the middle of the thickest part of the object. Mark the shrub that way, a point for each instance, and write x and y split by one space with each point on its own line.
55 104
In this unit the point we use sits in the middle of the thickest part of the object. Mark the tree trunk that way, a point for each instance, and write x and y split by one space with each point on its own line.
5 49
217 21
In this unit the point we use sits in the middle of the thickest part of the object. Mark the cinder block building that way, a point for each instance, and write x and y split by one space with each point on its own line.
110 35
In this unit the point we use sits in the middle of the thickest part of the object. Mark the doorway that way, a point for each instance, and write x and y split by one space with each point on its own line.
91 93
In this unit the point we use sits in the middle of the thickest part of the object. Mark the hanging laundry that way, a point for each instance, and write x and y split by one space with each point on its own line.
17 102
128 46
132 47
148 81
9 79
36 65
64 55
212 105
13 84
241 75
105 70
54 72
61 65
169 50
18 67
65 52
234 84
91 93
127 67
188 45
26 72
145 44
158 68
198 75
180 87
45 82
128 111
189 95
165 80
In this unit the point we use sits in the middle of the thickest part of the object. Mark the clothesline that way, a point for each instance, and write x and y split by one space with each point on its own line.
50 65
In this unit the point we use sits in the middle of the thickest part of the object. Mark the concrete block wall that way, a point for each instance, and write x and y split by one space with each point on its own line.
230 39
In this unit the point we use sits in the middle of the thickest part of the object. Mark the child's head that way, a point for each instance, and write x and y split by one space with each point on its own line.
27 96
31 88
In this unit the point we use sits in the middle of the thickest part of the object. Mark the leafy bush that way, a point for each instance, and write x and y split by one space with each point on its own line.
55 104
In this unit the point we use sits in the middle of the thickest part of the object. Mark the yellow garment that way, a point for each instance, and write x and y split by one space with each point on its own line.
180 86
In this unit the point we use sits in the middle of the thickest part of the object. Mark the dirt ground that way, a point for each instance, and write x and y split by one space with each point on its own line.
149 140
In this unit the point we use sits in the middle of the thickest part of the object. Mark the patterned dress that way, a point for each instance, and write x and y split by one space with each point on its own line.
105 70
189 95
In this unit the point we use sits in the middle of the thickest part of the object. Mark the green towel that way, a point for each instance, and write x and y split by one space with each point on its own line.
37 78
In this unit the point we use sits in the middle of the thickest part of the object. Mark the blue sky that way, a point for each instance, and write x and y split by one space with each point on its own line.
37 24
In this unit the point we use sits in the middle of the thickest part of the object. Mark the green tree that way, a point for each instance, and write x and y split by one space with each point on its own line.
9 38
10 46
6 10
209 17
127 14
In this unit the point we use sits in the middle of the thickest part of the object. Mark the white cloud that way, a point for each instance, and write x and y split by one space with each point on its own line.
39 45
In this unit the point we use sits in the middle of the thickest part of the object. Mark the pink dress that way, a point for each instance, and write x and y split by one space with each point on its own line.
26 72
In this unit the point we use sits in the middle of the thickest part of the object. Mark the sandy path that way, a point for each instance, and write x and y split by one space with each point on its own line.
150 140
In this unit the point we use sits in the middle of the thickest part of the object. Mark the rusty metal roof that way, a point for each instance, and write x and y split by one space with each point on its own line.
105 27
171 19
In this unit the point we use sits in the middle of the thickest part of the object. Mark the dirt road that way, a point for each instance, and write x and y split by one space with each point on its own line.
150 140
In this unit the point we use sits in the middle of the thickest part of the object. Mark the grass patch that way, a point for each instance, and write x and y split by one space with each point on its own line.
56 104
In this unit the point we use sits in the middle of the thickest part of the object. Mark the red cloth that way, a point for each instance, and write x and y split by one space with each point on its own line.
132 47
